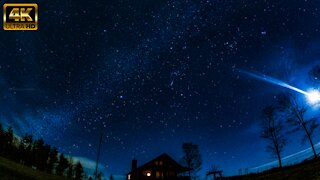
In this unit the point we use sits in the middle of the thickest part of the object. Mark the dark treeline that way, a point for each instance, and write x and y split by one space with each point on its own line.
37 154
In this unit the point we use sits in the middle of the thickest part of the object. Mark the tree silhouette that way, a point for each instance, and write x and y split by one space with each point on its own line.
70 169
2 140
295 115
45 152
9 136
25 147
100 175
41 154
78 170
191 158
62 165
36 153
111 177
53 160
8 140
272 130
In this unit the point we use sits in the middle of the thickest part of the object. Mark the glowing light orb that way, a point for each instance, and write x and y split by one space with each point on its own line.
313 97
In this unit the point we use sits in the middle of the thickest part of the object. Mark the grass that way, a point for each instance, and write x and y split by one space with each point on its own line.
10 170
306 170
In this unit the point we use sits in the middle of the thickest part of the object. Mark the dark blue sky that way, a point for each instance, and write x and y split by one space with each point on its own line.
151 75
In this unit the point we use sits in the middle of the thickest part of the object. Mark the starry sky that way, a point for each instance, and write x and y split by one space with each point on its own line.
151 75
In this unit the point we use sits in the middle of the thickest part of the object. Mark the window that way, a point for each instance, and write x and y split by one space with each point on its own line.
148 173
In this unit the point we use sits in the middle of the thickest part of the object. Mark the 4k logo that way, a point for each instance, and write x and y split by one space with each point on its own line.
22 16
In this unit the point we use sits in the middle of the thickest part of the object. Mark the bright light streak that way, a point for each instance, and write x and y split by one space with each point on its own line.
313 96
273 81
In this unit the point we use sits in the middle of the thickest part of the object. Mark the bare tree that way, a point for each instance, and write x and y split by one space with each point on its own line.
295 115
191 158
272 130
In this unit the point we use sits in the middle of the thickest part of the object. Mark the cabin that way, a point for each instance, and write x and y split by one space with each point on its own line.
162 167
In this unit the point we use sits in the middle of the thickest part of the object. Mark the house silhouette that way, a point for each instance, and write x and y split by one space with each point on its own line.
162 167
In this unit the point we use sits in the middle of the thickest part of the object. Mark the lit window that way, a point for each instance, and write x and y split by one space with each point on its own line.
148 174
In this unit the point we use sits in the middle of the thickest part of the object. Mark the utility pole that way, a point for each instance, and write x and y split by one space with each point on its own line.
98 157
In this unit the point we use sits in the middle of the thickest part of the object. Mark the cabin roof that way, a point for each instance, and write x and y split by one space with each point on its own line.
169 161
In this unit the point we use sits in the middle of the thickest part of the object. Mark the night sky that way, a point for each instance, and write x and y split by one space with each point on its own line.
151 75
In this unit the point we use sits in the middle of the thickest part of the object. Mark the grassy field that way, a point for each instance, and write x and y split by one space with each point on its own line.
309 170
13 171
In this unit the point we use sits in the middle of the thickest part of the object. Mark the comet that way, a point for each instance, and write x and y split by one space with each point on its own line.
312 95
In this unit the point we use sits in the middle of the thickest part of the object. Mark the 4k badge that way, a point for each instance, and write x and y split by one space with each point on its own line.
22 16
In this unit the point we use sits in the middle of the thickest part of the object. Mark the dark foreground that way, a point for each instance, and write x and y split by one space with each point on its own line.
307 170
13 171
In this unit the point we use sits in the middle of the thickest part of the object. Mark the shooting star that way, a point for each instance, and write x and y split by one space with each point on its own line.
312 95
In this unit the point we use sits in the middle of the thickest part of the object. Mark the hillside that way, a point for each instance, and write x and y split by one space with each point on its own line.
306 170
14 171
